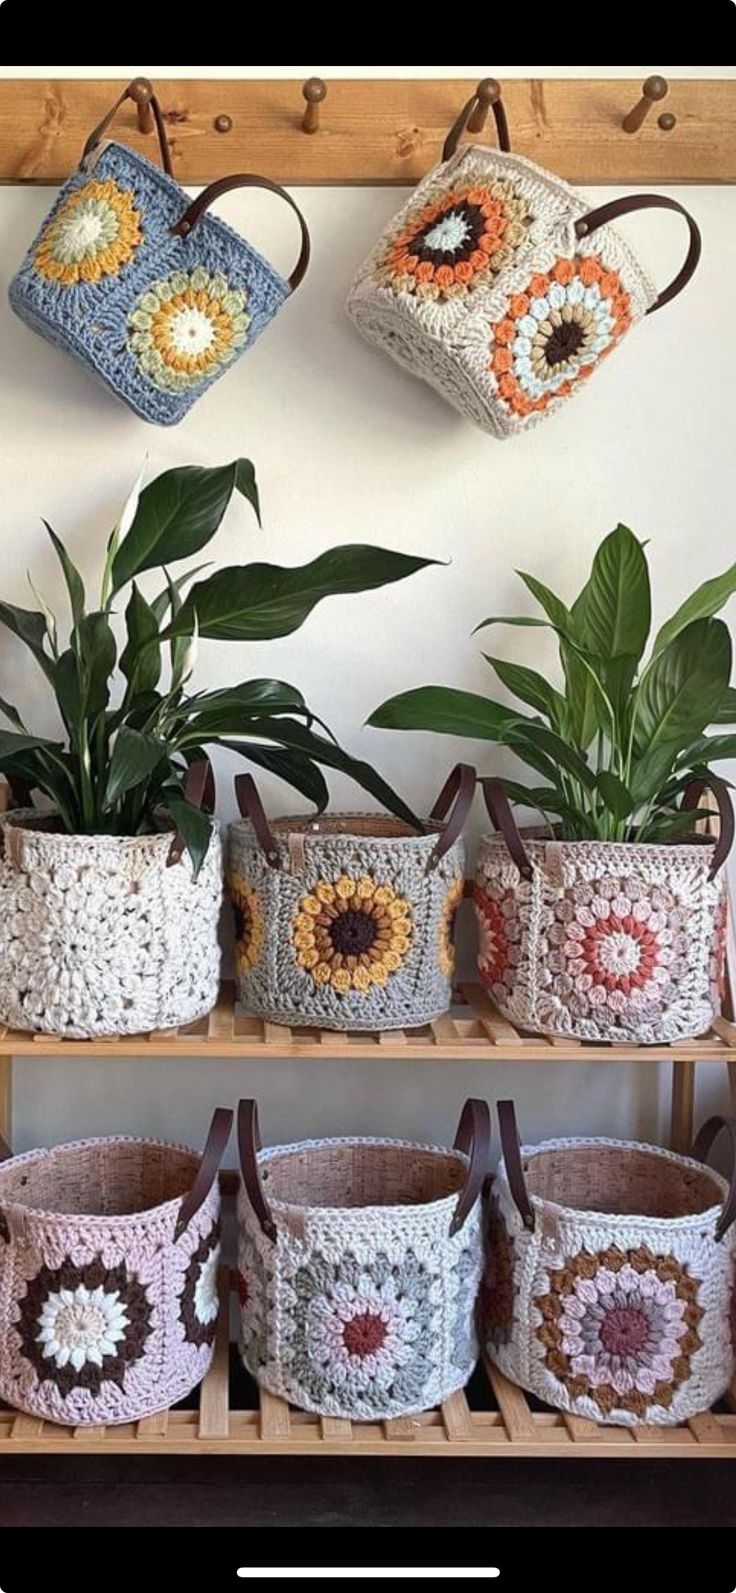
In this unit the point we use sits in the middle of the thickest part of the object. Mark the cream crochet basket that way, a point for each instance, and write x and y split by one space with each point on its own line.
359 1262
610 1284
108 1276
105 934
599 940
347 920
498 285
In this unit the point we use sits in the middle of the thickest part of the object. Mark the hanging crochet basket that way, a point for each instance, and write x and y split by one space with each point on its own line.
498 285
601 940
142 284
347 920
609 1289
359 1262
109 1251
103 934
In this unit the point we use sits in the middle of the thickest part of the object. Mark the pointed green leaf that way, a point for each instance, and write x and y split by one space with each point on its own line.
177 515
617 797
707 600
290 733
32 629
133 759
74 582
553 606
11 744
526 734
170 598
512 619
294 767
612 615
13 715
683 688
727 709
446 711
227 710
530 687
97 654
140 660
585 709
194 826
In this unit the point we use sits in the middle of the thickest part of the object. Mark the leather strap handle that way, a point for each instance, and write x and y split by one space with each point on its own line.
214 1150
473 1138
249 1144
459 125
458 791
512 1161
251 808
502 819
690 800
702 1145
224 185
99 131
5 1151
199 792
624 207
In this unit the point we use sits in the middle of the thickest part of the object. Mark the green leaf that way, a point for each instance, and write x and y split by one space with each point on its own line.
133 759
294 767
225 710
446 711
290 733
650 771
258 601
707 600
69 690
32 629
74 582
683 687
672 826
140 661
530 687
727 710
97 654
11 744
512 619
553 606
177 515
194 826
612 615
525 734
171 595
13 715
708 749
586 710
616 795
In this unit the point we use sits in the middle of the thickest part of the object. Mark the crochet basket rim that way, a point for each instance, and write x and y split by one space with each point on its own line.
358 1213
633 1219
33 1213
161 840
242 829
692 850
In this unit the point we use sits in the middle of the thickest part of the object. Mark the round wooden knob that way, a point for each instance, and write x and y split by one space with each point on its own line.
488 93
141 92
655 88
314 91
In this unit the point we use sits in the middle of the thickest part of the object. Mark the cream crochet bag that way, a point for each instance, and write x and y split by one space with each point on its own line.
358 1267
610 1283
498 285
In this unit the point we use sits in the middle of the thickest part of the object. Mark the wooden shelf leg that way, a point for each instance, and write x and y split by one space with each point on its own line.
6 1098
683 1105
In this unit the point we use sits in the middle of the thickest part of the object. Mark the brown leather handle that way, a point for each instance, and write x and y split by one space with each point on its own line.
458 790
249 1144
704 1140
214 1150
5 1151
199 792
512 1161
251 808
99 131
624 207
224 185
473 1137
690 800
461 122
502 819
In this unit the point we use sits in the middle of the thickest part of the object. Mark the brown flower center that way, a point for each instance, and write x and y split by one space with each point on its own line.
364 1334
563 342
624 1331
352 932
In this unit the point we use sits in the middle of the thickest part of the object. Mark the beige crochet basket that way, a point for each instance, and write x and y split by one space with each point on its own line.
609 1291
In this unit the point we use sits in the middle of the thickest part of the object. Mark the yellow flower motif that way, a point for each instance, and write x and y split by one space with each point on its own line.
95 232
249 922
447 927
187 326
351 933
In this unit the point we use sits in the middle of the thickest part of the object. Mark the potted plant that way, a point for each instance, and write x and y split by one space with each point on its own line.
109 906
612 924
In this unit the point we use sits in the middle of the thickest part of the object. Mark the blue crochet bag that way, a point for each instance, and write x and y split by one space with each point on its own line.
141 284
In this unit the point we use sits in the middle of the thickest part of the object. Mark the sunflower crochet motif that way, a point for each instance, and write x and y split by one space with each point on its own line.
352 933
93 234
249 922
185 326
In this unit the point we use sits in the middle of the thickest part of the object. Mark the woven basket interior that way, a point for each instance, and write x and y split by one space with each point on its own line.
620 1181
378 826
362 1175
100 1180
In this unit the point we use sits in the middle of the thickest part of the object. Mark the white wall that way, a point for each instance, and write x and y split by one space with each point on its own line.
348 448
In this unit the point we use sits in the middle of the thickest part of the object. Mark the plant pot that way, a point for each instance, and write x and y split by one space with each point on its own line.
600 940
103 934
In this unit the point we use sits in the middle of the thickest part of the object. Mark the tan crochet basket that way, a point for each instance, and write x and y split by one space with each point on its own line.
609 1289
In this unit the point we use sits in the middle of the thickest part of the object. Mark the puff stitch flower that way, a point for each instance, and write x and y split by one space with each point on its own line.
186 326
446 248
93 234
352 932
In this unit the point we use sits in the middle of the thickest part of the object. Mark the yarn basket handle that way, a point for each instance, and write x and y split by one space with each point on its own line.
473 1138
624 207
251 808
199 792
513 1162
727 826
502 819
99 131
249 1144
702 1145
186 224
458 790
214 1150
459 125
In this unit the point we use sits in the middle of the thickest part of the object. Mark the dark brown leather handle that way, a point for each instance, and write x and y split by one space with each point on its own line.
704 1140
249 1144
512 1161
502 819
473 1138
458 790
214 1150
199 792
690 800
224 185
251 808
5 1151
624 207
99 131
461 122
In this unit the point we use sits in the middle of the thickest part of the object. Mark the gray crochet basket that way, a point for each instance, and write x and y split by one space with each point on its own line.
346 920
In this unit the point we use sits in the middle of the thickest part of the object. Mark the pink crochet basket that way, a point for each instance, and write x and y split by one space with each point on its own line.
108 1275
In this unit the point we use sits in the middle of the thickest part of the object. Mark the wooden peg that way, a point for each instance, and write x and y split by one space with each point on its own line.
314 91
141 91
666 121
653 90
488 93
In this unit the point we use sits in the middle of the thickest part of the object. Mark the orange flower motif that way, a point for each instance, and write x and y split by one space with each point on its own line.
446 249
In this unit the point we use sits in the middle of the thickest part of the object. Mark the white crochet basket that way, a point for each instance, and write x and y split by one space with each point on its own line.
610 1283
359 1262
599 940
498 285
102 934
